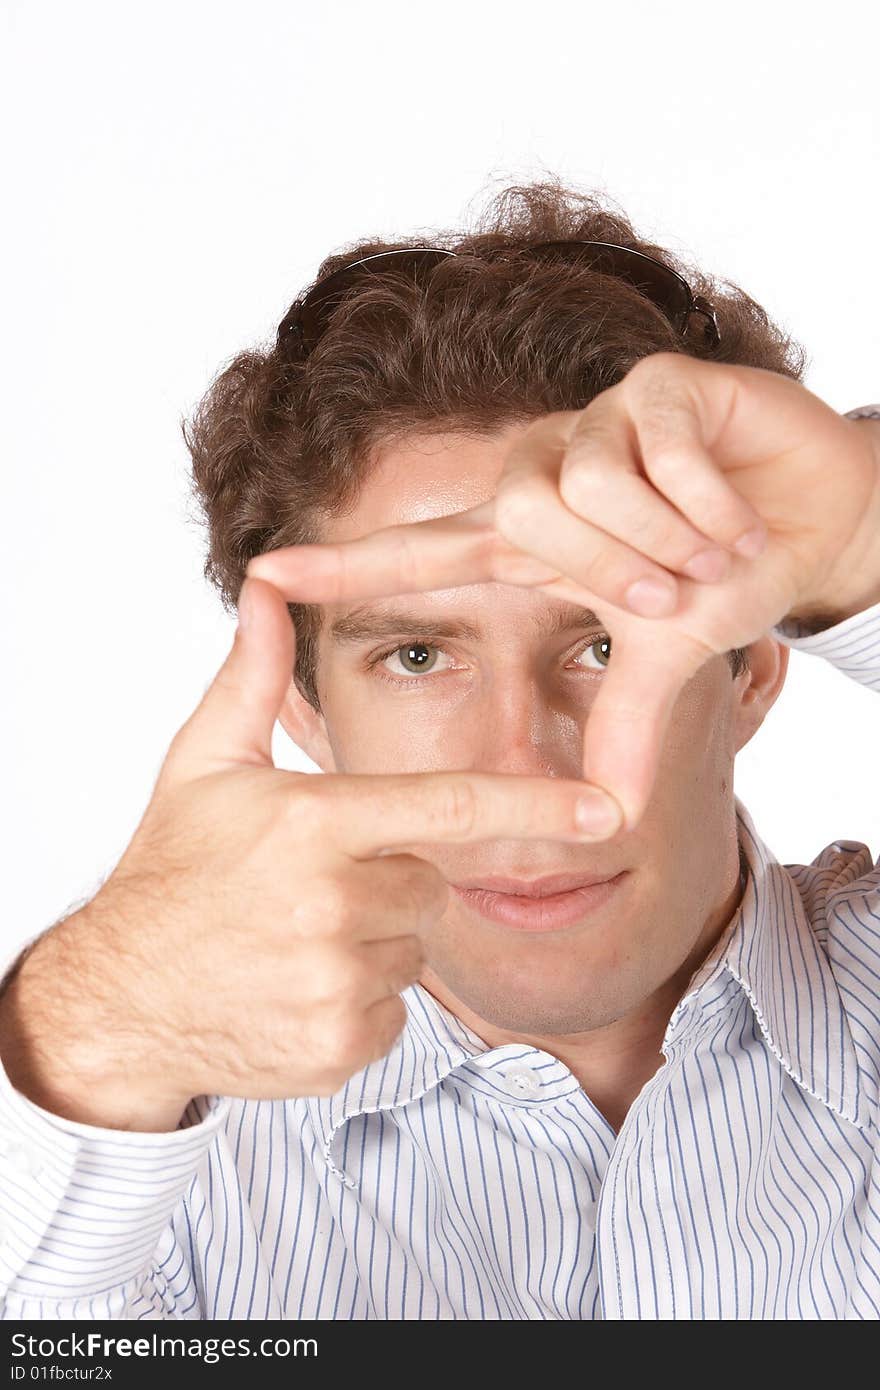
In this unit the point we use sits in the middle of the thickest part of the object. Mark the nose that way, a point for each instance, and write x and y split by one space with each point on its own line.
524 729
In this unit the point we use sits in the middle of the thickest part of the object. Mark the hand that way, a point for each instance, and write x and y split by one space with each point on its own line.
680 456
255 935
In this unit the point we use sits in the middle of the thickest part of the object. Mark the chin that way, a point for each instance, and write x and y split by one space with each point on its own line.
527 1002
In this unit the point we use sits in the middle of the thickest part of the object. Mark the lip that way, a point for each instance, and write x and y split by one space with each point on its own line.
534 887
540 912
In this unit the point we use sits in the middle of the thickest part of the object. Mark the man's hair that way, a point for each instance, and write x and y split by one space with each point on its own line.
281 442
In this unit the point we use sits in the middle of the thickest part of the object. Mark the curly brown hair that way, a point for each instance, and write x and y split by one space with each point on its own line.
281 441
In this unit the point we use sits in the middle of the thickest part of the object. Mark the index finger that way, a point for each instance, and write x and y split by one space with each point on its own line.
440 553
369 812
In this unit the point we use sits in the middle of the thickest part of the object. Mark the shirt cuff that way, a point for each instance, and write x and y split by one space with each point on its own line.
853 646
81 1207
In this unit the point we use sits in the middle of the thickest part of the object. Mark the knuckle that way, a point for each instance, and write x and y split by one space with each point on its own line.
177 746
656 367
614 584
174 768
666 411
678 545
389 1026
580 479
351 982
348 1043
305 805
669 457
654 530
661 389
317 989
514 505
457 806
409 557
423 881
330 905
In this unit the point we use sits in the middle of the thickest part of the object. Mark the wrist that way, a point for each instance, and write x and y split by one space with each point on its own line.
853 584
62 1052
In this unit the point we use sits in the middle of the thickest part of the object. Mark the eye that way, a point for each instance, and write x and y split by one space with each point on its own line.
416 658
602 641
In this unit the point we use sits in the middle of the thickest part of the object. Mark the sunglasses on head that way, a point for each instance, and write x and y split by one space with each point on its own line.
307 318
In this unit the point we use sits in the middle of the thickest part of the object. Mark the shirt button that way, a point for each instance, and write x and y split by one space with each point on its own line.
523 1082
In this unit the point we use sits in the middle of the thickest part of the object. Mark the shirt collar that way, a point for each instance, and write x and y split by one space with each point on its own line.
774 953
432 1044
768 947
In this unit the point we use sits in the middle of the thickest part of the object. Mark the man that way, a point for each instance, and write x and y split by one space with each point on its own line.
650 1097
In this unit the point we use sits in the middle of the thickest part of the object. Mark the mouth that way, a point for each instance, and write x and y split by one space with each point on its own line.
541 904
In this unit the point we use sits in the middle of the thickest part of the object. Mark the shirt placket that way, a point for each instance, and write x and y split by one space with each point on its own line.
637 1277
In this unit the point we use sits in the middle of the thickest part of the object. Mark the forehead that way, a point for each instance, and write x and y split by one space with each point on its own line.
426 475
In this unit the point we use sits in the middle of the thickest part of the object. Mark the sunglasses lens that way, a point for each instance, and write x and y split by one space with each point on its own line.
317 307
662 286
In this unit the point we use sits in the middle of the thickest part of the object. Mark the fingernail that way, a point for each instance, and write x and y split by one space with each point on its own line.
751 543
596 814
650 597
707 564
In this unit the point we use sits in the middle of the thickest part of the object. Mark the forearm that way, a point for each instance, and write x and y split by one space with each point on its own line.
855 584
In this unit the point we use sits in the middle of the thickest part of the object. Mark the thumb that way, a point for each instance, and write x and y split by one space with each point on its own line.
630 717
234 721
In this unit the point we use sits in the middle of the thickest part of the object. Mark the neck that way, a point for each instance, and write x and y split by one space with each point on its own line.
611 1063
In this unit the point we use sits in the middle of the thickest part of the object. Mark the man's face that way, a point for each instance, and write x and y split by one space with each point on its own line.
510 692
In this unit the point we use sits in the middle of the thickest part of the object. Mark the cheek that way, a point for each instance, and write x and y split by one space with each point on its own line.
688 810
696 735
375 732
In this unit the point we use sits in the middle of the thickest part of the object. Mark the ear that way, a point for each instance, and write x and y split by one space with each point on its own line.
760 686
307 728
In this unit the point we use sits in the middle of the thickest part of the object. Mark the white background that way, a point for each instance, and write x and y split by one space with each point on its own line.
174 173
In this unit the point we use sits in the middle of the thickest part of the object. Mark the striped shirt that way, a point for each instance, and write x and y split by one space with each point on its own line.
451 1179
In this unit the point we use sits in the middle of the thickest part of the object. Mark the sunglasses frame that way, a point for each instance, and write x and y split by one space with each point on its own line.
663 286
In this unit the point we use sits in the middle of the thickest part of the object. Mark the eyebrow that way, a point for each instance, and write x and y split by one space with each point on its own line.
370 623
